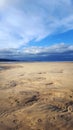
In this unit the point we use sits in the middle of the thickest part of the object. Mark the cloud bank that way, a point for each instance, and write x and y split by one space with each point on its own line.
58 52
22 21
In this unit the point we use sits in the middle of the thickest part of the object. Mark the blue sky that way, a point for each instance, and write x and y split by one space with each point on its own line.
36 26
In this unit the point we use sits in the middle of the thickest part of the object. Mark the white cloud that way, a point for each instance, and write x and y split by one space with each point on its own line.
3 3
23 21
57 48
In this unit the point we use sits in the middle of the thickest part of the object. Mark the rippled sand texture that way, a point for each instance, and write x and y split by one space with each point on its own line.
36 96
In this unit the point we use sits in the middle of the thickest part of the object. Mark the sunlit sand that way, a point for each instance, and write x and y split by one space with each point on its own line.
36 96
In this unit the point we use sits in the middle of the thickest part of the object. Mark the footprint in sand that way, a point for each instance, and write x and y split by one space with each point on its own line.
13 83
70 108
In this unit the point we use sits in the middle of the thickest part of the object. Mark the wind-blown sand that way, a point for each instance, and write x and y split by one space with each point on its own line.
36 96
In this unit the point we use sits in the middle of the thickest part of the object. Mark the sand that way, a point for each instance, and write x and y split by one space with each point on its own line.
36 96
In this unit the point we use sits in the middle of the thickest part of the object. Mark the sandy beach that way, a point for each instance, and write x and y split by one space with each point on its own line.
36 96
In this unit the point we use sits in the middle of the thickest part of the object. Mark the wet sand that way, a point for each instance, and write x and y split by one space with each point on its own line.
36 96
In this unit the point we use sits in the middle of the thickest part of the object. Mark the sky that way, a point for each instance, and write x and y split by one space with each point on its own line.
36 29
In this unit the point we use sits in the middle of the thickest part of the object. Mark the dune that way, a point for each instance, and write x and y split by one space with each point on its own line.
36 96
